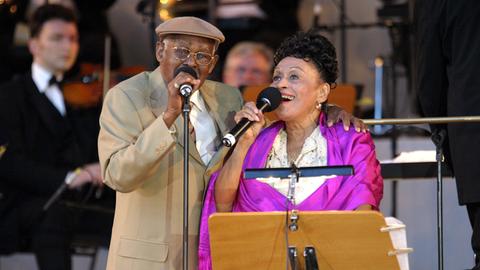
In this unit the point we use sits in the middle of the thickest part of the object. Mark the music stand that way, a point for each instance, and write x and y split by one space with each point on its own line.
341 240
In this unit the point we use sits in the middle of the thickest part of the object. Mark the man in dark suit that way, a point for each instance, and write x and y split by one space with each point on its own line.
50 144
448 55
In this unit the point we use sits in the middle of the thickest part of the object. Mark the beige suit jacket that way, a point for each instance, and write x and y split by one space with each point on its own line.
143 161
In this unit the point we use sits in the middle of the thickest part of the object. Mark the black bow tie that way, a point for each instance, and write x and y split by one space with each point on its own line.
54 81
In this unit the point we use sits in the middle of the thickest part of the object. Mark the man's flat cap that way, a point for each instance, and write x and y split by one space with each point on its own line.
191 26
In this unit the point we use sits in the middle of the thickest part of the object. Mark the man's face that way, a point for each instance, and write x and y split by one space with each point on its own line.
169 61
247 70
56 46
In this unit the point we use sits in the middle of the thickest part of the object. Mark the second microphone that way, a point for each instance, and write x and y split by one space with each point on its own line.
268 100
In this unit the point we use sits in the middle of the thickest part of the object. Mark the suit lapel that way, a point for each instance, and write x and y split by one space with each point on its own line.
158 92
60 128
52 118
158 103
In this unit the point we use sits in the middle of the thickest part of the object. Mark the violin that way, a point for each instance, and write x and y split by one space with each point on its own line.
87 89
94 80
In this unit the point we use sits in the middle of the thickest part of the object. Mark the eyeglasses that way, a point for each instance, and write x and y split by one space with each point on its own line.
201 58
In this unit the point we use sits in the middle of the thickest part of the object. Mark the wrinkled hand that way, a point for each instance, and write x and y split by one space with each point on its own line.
90 173
337 114
174 105
252 113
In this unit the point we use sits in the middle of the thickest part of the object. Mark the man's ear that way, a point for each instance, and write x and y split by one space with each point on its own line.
212 64
33 46
159 47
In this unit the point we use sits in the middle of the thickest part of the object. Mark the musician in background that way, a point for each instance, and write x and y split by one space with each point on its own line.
50 144
248 63
448 81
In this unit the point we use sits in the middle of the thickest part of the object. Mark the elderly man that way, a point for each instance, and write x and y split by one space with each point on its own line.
141 147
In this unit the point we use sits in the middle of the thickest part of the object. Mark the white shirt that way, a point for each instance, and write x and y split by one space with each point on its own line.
314 153
41 77
205 130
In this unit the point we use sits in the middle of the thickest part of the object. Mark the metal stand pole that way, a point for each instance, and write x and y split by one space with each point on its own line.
186 134
378 106
438 137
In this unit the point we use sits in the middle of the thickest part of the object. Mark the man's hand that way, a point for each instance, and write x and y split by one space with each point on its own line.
174 106
90 173
337 114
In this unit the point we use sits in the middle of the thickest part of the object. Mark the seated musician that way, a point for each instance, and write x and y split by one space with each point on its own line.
306 69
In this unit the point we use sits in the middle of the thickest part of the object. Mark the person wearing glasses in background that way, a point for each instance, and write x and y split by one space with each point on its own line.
248 63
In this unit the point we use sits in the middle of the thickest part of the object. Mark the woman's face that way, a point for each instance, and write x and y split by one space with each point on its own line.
302 88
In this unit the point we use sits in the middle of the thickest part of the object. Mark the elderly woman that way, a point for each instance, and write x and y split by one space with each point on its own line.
305 71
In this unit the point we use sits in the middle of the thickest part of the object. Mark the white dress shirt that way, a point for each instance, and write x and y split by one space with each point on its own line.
205 130
41 78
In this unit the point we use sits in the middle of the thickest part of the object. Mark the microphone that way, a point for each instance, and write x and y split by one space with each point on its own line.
186 88
268 100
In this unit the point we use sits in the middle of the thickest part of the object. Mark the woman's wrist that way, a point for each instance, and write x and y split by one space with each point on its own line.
242 146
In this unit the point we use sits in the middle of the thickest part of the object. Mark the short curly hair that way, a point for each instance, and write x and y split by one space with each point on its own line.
311 46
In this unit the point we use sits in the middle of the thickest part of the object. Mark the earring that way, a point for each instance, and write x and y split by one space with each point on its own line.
318 106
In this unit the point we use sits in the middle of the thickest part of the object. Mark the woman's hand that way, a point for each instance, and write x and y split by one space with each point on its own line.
252 113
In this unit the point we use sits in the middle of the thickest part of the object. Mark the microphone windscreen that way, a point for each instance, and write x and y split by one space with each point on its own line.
185 69
272 95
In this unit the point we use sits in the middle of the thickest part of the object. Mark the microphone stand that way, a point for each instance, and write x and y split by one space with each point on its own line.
186 112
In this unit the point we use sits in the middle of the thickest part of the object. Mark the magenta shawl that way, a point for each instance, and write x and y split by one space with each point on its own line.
338 193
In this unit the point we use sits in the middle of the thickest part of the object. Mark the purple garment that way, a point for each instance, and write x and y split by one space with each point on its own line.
338 193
